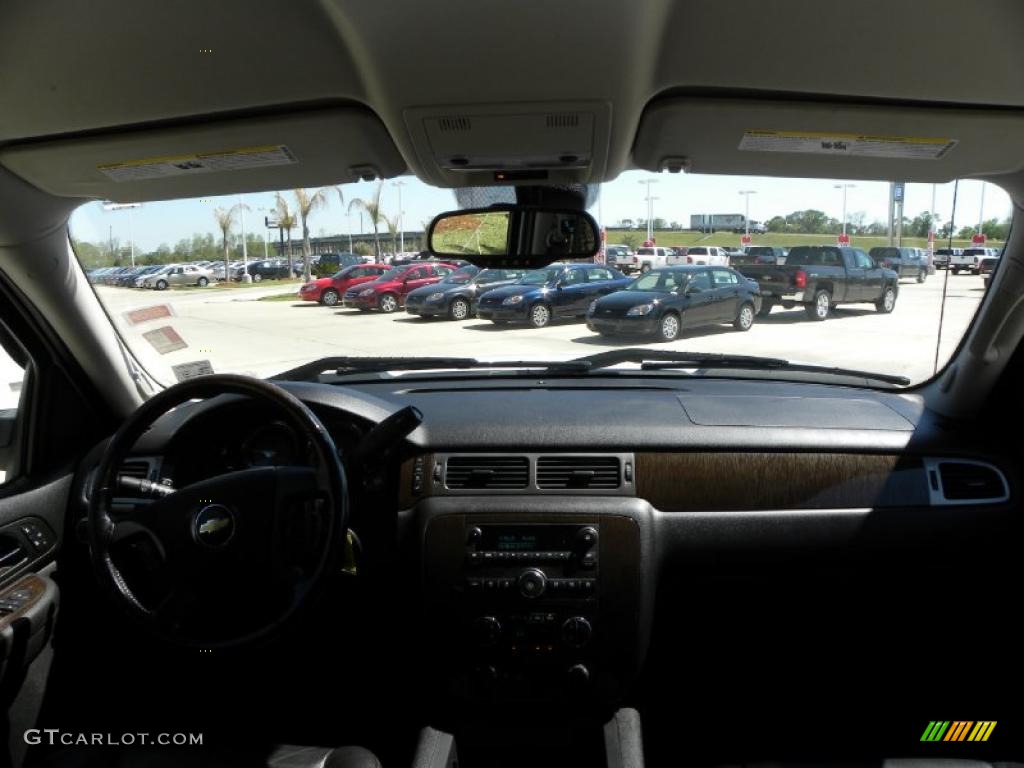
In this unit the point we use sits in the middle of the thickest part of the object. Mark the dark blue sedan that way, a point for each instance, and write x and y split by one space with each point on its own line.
557 290
665 301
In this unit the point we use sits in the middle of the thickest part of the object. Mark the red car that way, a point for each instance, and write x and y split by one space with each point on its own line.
387 293
329 290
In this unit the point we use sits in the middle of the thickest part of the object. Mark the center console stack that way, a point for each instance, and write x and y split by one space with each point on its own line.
535 599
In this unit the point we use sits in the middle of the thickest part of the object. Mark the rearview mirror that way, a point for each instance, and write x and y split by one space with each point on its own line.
514 235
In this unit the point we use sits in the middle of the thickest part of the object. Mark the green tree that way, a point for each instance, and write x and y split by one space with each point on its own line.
630 239
921 225
994 229
965 233
286 220
362 249
776 224
659 223
372 208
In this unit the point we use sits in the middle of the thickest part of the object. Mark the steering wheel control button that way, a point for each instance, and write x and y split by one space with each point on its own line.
486 631
214 526
532 583
576 632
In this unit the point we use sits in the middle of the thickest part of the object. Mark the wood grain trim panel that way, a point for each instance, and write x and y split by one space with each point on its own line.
691 482
35 589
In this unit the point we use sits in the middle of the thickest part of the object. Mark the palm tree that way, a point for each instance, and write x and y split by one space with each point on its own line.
392 225
287 221
373 209
225 218
306 204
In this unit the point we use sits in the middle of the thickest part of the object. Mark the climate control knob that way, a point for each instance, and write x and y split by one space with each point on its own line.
576 632
486 631
532 582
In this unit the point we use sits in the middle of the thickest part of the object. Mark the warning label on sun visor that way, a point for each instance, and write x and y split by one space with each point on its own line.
201 162
851 144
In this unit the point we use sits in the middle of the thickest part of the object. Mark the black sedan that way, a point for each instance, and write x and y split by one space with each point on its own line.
665 301
456 295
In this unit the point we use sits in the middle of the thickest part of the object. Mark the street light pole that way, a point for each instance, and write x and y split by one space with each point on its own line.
746 209
242 225
844 187
650 207
348 215
981 209
131 238
401 213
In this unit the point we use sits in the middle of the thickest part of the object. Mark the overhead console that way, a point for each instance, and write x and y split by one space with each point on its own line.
472 145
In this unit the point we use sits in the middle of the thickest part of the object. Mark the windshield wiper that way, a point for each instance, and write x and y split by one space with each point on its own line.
660 359
342 366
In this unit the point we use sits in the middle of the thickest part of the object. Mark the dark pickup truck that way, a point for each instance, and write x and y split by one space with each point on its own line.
819 277
906 262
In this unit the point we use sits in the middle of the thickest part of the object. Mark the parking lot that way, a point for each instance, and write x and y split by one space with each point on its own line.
233 328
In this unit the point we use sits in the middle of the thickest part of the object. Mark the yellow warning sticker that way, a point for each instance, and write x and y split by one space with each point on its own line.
200 162
849 144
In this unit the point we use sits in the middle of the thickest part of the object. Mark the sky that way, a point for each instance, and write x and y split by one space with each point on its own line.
677 196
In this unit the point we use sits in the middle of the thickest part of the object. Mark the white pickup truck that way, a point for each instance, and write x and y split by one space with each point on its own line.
702 254
651 257
970 259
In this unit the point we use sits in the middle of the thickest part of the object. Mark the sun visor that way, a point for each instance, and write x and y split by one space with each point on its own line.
836 141
298 149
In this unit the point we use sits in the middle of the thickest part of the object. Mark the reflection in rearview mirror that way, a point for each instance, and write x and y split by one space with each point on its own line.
514 235
471 233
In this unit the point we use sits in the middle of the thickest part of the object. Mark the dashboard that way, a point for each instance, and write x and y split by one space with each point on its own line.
533 544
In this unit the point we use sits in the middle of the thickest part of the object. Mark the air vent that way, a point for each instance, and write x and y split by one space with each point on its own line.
454 124
568 120
493 472
137 468
957 481
593 472
970 481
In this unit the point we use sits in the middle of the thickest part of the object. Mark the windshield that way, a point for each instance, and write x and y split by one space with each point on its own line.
258 318
660 281
884 253
540 276
461 276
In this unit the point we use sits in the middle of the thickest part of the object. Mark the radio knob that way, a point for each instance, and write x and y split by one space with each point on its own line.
474 535
586 537
576 632
578 677
532 582
486 631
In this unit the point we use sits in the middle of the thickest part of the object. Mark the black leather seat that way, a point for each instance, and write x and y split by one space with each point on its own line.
318 757
185 757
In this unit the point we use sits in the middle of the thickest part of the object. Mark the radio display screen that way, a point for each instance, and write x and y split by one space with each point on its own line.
516 542
527 538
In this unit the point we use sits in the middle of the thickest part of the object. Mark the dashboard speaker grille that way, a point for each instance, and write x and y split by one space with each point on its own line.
506 472
594 472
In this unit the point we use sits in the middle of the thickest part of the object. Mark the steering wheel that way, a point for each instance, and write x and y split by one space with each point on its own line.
227 560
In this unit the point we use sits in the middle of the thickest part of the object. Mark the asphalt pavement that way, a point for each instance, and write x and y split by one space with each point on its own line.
237 333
